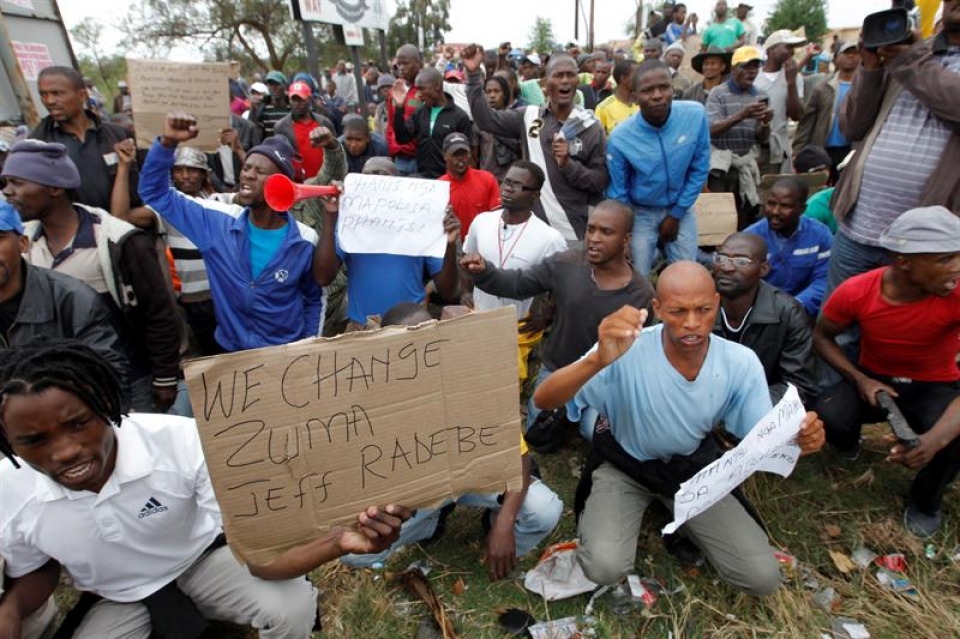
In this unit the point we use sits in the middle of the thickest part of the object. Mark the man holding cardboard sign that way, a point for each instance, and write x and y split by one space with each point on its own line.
664 389
389 237
130 513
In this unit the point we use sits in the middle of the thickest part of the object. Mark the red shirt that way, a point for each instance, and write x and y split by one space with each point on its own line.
918 341
412 103
478 192
312 155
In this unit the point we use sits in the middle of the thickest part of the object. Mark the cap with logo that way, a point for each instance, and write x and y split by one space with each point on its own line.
10 219
745 55
456 142
929 229
301 90
278 150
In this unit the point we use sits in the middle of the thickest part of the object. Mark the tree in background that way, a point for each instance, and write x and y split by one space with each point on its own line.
432 15
793 14
260 30
541 36
106 70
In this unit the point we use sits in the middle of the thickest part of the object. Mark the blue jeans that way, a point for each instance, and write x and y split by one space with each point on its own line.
405 165
646 234
537 518
588 417
848 258
181 405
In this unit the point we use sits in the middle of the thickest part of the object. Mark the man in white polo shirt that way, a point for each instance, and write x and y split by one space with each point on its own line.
512 237
126 506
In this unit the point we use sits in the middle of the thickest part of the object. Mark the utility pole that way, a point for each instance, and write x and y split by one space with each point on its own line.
576 19
638 29
590 36
313 61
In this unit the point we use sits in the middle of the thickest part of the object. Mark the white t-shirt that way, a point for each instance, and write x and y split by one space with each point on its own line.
150 522
515 247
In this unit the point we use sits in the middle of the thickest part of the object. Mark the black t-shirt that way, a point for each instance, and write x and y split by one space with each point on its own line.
580 304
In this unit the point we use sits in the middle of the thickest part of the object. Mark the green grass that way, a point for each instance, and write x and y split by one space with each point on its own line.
863 498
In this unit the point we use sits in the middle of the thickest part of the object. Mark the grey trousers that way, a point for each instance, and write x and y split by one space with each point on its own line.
223 590
728 536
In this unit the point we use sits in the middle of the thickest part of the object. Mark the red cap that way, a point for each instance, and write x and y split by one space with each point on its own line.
300 89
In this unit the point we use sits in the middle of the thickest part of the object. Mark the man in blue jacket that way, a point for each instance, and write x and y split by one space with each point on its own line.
798 247
258 260
658 162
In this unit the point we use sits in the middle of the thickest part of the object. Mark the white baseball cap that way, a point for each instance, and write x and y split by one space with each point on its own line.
783 36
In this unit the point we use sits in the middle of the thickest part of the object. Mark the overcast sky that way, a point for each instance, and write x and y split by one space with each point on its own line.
493 21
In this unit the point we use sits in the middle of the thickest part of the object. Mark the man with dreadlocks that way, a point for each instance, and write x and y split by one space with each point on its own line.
125 505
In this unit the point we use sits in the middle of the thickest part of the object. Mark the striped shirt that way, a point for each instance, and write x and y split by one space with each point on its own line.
186 256
902 159
726 100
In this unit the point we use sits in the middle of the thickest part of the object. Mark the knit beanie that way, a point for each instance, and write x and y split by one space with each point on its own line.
45 163
278 150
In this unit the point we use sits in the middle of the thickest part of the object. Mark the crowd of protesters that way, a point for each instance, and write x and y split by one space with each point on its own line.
573 180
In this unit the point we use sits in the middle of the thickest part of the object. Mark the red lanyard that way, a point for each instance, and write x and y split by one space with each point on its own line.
500 241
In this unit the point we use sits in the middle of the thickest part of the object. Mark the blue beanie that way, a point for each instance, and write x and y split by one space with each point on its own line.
45 163
278 150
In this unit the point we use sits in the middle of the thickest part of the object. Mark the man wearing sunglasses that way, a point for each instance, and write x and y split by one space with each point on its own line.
763 318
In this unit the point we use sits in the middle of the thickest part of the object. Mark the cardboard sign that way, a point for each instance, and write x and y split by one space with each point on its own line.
716 218
158 87
399 216
303 437
769 447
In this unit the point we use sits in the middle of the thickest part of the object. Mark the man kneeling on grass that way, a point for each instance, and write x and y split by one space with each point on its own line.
125 504
909 317
514 522
664 389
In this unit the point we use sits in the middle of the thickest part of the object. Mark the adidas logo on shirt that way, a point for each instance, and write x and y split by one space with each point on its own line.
152 507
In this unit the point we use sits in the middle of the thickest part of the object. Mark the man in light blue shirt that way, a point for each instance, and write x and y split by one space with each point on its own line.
665 389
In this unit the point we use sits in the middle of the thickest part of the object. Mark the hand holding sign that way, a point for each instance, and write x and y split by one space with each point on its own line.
396 216
774 445
300 438
451 225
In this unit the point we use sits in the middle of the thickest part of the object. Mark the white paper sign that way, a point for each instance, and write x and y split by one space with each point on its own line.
770 446
395 215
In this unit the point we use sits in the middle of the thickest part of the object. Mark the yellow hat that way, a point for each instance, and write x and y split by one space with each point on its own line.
744 55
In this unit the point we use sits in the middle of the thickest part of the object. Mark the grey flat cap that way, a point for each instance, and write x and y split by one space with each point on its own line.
929 229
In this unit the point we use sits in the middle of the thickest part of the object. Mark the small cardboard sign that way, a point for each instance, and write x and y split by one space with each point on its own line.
158 87
716 218
303 437
394 215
